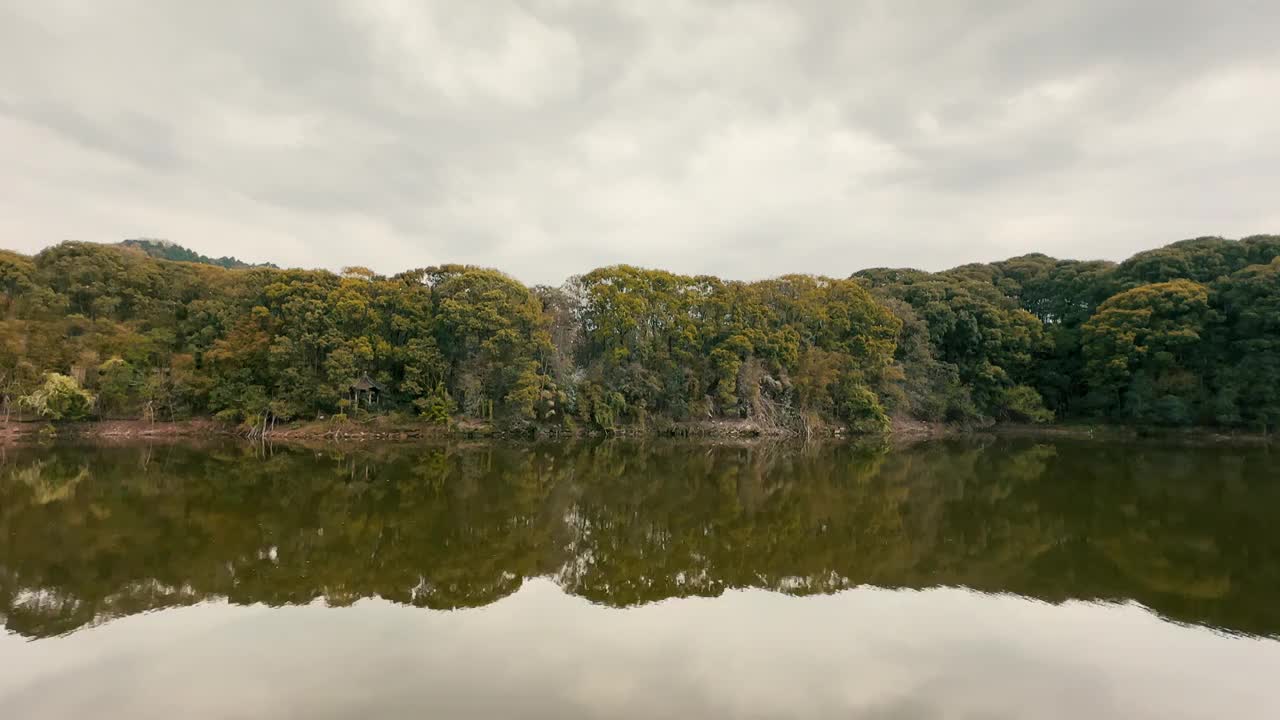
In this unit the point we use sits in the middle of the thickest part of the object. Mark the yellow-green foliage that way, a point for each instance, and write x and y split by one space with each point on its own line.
59 398
1183 334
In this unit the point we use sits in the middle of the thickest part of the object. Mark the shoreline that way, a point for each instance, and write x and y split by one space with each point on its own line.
385 430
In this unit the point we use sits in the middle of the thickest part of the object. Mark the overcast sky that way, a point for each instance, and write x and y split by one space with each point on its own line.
548 137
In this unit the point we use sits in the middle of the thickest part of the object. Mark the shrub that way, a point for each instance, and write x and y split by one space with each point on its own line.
1023 404
436 407
59 398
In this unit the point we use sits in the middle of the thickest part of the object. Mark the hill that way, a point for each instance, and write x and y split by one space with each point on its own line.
1187 334
166 250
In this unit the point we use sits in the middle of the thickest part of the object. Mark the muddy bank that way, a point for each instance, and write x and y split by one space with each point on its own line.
1187 436
387 429
204 428
378 428
115 429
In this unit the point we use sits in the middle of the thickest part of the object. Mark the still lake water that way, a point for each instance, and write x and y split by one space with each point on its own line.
957 579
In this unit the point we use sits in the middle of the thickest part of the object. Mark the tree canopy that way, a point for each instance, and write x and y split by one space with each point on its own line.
1185 334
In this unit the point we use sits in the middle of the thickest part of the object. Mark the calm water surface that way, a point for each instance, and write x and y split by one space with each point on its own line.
1005 579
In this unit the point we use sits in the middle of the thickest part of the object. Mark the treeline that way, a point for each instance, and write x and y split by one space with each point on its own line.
165 250
1186 334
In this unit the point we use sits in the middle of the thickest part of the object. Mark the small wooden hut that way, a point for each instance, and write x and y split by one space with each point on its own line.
365 390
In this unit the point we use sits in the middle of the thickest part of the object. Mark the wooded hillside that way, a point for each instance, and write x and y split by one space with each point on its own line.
1183 335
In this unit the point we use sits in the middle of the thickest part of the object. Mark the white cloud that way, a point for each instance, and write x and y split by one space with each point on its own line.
744 138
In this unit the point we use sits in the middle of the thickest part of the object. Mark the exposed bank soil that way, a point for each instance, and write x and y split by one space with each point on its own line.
902 430
906 429
713 428
374 429
361 431
107 430
1181 436
116 429
205 428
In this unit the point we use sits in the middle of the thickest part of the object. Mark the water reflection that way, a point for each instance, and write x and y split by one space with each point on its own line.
88 535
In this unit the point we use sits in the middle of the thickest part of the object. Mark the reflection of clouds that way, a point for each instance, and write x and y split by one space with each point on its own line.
864 653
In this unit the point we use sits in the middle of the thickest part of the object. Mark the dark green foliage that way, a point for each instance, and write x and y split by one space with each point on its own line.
1186 334
976 331
169 340
1246 341
165 250
655 343
1144 349
1202 260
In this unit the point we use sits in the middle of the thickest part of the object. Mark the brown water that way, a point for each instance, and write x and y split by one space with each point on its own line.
1006 579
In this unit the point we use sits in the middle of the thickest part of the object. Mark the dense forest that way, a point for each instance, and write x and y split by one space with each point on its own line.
1188 334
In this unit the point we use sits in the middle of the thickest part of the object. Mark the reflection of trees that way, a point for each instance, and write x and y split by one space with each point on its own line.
90 535
49 482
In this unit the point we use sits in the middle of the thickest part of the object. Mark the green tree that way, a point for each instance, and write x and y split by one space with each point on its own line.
1027 338
991 342
60 398
437 406
1144 350
1247 344
118 385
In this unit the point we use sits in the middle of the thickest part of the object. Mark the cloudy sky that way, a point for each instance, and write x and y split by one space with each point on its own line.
547 137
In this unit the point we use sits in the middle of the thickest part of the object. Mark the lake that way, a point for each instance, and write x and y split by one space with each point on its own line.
975 578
